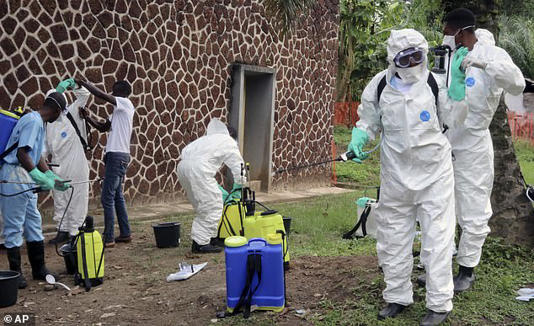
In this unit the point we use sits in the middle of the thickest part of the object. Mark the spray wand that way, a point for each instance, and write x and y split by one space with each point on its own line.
342 158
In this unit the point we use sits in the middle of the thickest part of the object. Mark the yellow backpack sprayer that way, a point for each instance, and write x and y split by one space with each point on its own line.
240 218
84 256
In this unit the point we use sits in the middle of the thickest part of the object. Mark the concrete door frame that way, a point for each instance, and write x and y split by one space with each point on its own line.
236 116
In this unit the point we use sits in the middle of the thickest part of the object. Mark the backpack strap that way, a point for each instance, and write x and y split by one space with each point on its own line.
86 281
431 81
9 150
380 88
75 125
245 300
226 222
361 222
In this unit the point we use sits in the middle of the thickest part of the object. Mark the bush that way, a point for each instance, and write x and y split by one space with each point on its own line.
517 38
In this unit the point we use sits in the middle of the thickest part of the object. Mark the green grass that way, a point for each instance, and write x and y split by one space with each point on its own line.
525 154
319 223
316 230
366 174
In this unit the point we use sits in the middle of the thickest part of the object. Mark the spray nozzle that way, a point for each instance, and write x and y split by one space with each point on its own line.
347 156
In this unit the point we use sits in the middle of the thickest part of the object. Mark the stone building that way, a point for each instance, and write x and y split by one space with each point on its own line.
188 61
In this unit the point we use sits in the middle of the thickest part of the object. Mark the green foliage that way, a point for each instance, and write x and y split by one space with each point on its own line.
517 38
518 8
363 32
287 12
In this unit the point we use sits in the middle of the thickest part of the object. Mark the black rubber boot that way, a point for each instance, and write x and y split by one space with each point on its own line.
13 256
391 310
205 249
217 242
61 237
464 280
421 280
433 318
37 260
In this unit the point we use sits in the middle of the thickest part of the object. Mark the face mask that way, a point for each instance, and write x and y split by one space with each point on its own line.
449 40
411 75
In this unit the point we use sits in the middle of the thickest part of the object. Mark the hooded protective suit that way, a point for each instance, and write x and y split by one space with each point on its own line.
471 142
416 178
64 145
201 160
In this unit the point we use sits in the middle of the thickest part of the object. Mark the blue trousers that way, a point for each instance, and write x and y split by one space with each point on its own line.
20 213
112 196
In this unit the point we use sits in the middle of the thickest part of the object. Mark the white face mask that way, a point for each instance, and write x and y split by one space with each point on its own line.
450 41
412 74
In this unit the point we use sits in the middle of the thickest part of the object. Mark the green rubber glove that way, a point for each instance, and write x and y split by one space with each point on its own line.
64 85
362 201
236 191
60 185
224 193
41 179
457 86
359 139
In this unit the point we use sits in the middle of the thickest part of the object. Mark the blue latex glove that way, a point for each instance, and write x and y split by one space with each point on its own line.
457 87
61 185
64 85
224 193
236 191
42 179
362 201
359 139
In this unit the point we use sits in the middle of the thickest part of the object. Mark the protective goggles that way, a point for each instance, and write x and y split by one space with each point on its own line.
410 56
463 29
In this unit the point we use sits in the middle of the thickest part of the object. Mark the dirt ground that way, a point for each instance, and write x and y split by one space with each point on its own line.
135 290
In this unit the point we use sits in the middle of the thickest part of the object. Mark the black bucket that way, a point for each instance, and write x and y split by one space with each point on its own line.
167 234
9 287
287 224
70 257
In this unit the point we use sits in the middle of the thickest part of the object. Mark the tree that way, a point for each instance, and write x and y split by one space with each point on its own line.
513 214
364 28
286 13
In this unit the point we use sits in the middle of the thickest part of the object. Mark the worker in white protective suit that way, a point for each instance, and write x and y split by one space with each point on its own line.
479 73
513 102
416 175
200 161
66 144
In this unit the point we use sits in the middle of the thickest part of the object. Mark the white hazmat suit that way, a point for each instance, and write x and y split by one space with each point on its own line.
200 161
63 143
416 178
471 142
513 102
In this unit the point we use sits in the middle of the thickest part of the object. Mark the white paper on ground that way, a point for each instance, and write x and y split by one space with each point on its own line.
525 294
186 271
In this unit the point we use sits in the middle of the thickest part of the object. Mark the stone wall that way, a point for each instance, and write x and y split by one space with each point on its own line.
177 55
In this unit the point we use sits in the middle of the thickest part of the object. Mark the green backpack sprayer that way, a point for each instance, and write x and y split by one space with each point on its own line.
84 256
